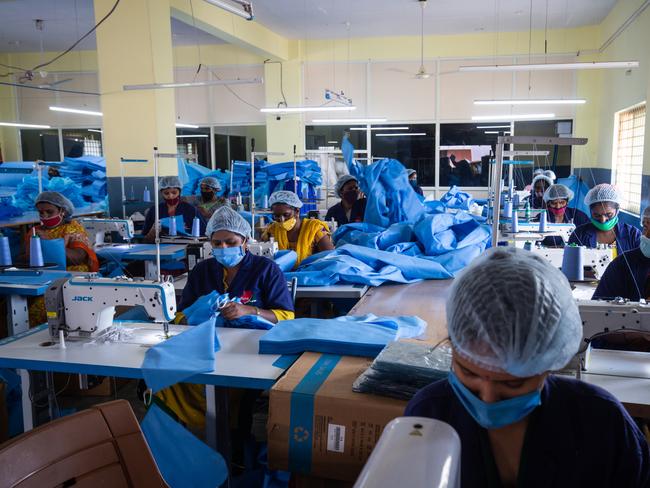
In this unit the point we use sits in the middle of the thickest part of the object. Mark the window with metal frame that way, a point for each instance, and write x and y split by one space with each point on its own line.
627 158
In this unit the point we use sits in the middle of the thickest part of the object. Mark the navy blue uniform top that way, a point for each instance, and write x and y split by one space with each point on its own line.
418 190
579 436
625 277
627 236
183 208
259 282
337 212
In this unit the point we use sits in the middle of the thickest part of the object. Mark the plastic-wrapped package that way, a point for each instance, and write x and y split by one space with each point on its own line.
402 368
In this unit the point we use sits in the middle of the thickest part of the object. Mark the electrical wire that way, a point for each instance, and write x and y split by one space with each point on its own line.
233 92
281 81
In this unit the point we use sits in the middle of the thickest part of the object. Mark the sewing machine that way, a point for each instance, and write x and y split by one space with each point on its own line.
562 230
99 227
595 260
84 307
266 249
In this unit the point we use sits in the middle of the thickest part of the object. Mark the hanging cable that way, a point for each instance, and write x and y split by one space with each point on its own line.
284 99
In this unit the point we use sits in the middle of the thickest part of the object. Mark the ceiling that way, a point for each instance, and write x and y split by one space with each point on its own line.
67 20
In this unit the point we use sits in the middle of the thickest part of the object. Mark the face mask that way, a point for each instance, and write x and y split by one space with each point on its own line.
173 201
558 212
607 225
289 224
498 414
52 221
645 246
207 195
414 182
350 196
228 257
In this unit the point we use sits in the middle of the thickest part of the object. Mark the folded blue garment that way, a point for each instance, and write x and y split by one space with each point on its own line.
349 335
455 198
54 252
207 307
286 260
182 356
183 460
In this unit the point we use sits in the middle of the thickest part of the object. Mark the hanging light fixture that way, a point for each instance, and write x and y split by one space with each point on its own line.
552 66
243 9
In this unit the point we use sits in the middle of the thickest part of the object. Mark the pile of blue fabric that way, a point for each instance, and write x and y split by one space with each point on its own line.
191 175
27 192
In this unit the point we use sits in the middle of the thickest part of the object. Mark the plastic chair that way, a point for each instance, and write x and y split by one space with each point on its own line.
101 446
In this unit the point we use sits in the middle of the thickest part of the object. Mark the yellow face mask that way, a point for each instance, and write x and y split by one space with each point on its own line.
289 224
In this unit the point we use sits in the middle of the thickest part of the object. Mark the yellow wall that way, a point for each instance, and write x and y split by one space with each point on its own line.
8 135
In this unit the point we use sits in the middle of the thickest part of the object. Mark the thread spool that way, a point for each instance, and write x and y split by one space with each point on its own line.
61 339
265 201
528 246
35 252
542 221
573 263
515 200
511 189
507 209
5 251
196 227
515 219
146 197
132 193
172 226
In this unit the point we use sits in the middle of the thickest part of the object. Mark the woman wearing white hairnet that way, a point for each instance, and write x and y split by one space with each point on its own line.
351 208
306 236
605 228
557 198
171 206
513 321
209 200
540 184
628 276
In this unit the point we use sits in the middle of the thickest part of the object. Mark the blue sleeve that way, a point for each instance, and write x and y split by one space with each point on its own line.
635 237
276 290
192 289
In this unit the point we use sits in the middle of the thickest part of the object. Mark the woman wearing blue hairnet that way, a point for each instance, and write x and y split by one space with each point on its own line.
171 206
351 208
512 321
605 228
628 276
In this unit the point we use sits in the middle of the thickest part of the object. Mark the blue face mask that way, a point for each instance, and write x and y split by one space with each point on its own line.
645 246
414 182
228 257
498 414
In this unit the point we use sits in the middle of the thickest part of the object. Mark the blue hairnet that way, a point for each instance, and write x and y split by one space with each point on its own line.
225 218
602 193
212 182
542 178
342 181
512 311
286 197
558 192
56 199
165 182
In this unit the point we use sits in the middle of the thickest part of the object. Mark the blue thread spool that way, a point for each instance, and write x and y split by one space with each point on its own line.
5 251
35 252
196 227
515 219
172 226
147 195
515 200
265 201
573 263
506 210
528 246
542 221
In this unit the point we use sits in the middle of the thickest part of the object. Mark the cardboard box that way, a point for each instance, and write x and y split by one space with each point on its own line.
318 426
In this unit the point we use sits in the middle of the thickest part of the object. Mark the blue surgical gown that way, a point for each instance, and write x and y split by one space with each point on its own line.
183 208
259 282
627 236
579 436
625 277
337 212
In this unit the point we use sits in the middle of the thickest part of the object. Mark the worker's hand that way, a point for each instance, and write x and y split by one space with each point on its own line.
234 310
42 233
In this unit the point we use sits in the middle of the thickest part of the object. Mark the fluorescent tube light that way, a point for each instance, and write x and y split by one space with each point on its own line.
380 128
550 101
497 132
156 86
187 126
76 111
513 117
245 9
553 66
493 127
286 110
95 130
400 134
27 126
348 121
187 136
332 142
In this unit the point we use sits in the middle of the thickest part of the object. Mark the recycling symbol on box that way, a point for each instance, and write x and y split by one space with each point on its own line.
300 434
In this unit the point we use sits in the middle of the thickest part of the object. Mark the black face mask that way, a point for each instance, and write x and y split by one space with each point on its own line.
207 195
350 196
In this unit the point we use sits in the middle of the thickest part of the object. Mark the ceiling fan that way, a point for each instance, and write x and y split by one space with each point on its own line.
422 73
29 75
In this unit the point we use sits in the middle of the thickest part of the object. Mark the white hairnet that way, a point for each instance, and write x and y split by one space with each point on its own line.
538 171
512 311
56 199
212 182
558 192
645 215
225 218
342 181
542 178
165 182
286 197
602 193
410 171
550 174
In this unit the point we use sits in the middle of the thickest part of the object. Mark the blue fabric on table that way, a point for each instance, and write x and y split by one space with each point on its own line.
455 198
165 223
54 252
441 233
285 260
30 277
349 335
183 460
369 235
206 307
245 322
180 357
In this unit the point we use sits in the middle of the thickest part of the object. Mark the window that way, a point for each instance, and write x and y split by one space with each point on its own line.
82 142
40 144
466 151
195 142
318 136
629 126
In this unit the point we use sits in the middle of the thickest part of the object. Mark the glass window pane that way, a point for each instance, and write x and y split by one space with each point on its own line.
195 141
40 144
317 136
82 142
466 150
